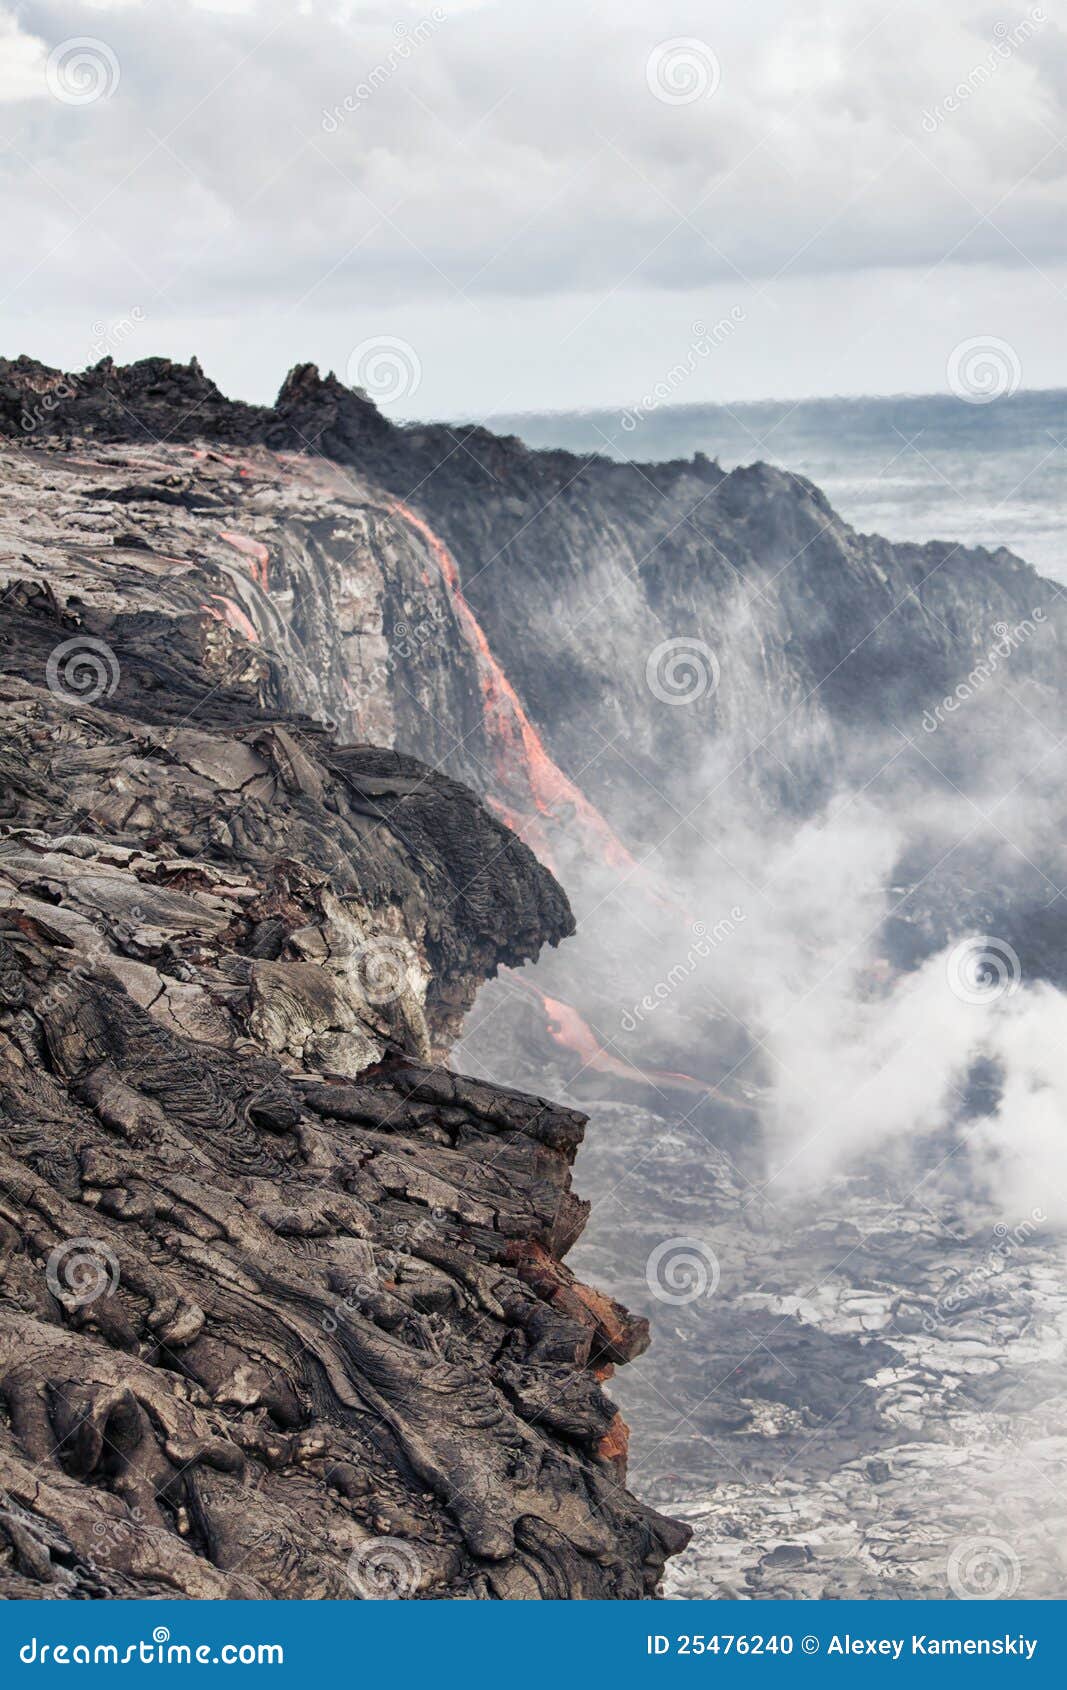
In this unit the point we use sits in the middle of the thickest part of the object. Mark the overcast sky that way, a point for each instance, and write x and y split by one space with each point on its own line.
538 203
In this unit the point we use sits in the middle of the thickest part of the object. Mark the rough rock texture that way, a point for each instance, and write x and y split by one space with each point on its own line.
283 1311
576 571
871 1404
875 1382
578 568
519 618
801 649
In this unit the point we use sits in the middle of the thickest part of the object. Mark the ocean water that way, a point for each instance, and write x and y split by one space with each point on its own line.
820 1436
911 467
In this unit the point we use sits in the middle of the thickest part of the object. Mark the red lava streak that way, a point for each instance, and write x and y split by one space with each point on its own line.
252 549
544 806
573 1033
233 616
526 774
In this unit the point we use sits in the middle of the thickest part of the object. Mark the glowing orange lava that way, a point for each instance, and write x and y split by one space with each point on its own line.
533 790
545 807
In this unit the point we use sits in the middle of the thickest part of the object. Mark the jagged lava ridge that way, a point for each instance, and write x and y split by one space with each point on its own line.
575 569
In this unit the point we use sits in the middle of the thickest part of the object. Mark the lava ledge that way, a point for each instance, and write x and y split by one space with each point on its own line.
285 1311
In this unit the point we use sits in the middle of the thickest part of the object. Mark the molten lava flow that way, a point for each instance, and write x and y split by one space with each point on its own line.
571 1031
255 550
526 774
568 1029
527 779
233 616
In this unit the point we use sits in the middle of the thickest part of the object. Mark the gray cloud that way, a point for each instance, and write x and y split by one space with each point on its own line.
433 169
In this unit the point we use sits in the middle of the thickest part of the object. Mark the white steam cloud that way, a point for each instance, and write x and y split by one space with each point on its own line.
860 1057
